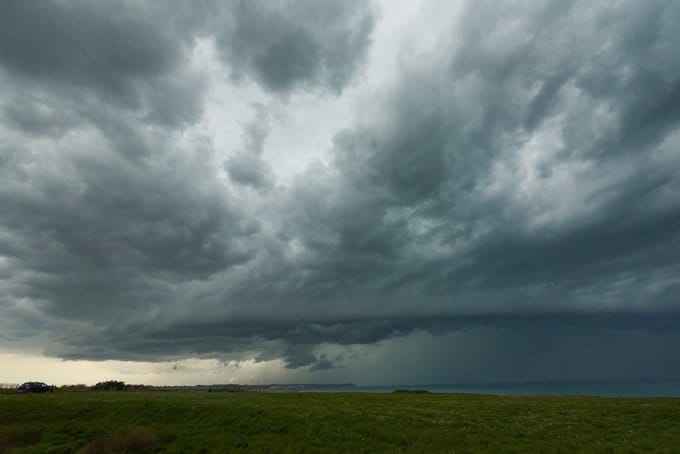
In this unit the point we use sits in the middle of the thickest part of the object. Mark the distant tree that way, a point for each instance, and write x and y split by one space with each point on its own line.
110 385
78 387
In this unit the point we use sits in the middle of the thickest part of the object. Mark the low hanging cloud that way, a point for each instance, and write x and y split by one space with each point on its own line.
518 179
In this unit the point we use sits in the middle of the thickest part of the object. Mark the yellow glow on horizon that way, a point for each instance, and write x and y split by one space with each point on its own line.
18 368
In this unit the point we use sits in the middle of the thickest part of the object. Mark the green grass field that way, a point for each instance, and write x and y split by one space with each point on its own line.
92 422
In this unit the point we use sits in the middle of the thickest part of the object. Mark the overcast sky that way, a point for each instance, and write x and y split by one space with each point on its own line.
339 191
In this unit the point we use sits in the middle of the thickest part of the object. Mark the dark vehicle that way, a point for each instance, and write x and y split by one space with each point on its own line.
34 387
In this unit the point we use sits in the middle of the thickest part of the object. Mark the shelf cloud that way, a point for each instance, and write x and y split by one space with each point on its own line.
502 188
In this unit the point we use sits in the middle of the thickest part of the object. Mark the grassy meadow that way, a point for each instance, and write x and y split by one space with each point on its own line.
153 421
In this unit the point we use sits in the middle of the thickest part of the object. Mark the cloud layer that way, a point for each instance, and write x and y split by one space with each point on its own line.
515 177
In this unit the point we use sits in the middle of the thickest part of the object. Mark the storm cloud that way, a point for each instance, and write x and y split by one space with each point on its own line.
296 44
511 181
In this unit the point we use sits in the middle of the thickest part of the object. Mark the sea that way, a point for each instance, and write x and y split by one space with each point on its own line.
602 388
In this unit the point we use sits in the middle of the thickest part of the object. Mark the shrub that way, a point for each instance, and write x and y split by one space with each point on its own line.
110 385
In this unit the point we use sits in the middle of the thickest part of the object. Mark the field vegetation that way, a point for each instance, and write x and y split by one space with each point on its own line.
155 421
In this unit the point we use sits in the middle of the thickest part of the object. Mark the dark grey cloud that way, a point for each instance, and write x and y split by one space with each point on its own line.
292 45
517 189
248 168
297 356
422 176
137 56
428 205
98 233
106 218
38 118
122 54
81 45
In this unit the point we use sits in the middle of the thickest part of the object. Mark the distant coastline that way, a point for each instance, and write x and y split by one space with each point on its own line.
602 388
